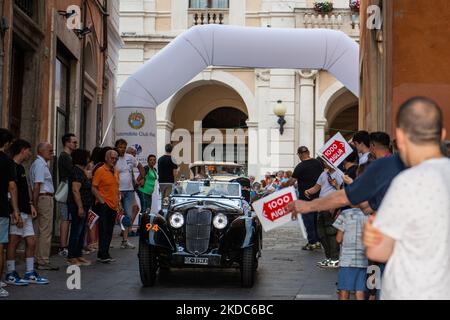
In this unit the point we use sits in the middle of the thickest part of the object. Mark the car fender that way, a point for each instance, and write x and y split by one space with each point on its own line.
156 232
243 232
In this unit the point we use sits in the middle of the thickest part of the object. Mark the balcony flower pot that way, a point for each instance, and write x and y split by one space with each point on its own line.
323 6
354 5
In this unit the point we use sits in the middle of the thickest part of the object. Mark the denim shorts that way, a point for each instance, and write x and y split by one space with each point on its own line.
4 230
352 279
128 201
64 212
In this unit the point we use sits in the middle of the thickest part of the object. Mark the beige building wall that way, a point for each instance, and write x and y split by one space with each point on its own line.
310 97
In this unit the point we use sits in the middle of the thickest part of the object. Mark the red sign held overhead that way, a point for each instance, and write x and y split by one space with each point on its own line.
275 208
335 151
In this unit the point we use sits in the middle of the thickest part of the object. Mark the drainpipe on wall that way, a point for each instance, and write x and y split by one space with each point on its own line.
84 8
2 56
104 50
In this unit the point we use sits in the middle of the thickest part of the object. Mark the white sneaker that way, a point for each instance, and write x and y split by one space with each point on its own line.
64 252
323 263
333 264
127 245
3 293
2 284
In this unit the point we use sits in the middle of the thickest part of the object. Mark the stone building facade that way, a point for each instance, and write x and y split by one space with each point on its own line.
58 69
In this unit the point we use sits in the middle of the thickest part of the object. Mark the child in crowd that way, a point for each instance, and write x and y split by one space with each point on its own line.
352 261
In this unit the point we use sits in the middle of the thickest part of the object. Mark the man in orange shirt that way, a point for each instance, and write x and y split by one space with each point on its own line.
105 187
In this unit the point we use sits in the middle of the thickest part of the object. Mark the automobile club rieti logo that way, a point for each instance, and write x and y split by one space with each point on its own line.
136 120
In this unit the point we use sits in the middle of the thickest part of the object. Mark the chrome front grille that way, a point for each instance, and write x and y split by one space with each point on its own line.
198 230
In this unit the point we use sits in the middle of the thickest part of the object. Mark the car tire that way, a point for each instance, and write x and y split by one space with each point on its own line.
248 267
148 264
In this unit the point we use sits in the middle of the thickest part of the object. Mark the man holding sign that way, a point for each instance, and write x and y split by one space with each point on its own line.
327 183
307 172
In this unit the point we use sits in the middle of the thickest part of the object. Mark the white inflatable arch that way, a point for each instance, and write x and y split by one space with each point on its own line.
232 46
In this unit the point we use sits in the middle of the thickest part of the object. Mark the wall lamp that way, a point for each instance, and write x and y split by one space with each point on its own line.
67 14
280 111
82 32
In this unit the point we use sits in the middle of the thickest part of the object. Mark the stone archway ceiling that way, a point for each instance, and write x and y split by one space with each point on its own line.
224 118
232 46
345 122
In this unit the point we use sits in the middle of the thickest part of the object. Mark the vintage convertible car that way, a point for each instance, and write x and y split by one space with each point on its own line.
207 224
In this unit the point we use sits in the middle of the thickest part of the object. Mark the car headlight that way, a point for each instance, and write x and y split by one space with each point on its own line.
220 221
176 220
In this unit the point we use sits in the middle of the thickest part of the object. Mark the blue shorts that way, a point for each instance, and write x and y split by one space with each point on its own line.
352 279
64 212
128 202
4 230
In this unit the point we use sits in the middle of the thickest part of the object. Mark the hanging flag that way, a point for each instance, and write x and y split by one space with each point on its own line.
92 219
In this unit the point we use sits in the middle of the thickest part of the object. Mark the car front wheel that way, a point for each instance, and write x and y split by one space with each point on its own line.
248 267
148 264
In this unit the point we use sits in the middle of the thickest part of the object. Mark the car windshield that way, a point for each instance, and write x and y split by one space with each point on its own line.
208 188
212 170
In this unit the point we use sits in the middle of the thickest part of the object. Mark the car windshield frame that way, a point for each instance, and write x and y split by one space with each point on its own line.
214 189
217 170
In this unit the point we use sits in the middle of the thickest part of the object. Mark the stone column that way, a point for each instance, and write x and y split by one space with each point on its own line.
163 134
320 134
253 157
237 13
306 132
262 131
180 15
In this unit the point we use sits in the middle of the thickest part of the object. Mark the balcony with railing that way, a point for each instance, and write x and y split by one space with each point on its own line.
207 16
338 19
208 12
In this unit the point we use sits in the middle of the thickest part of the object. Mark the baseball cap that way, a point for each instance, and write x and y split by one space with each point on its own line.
302 149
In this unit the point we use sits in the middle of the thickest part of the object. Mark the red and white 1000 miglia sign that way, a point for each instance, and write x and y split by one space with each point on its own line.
274 209
336 150
271 209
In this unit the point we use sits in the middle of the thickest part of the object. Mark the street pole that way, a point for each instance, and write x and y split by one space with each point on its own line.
2 56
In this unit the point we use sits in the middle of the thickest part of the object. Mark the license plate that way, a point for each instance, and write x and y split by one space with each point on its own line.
191 260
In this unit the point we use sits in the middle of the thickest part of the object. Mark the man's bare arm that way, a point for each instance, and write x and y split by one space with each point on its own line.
140 179
36 190
334 200
379 247
97 195
316 188
175 172
383 251
339 236
12 188
365 207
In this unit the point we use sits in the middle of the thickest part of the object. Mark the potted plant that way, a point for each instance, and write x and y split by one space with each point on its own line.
323 6
354 5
